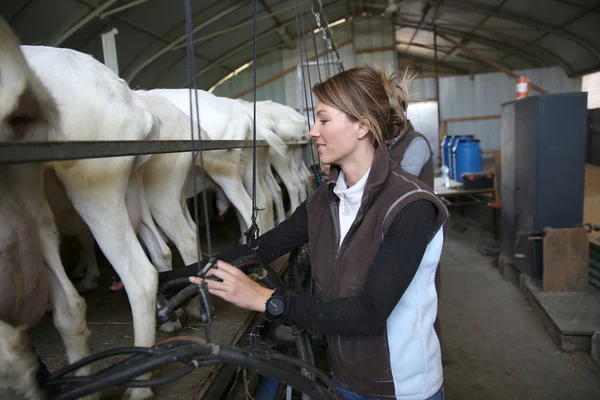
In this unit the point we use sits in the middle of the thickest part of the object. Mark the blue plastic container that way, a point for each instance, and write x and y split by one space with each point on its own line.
452 155
468 157
446 150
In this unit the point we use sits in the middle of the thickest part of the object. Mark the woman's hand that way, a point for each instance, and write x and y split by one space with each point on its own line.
236 288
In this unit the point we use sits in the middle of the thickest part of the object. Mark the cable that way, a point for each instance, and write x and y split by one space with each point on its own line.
302 67
307 62
192 79
252 233
187 351
312 29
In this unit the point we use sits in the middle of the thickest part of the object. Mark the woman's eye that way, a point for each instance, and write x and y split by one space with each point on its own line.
323 121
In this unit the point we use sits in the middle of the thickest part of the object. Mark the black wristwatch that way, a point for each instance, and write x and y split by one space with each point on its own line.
275 305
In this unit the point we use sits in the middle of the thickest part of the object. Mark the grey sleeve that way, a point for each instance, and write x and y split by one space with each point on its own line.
415 157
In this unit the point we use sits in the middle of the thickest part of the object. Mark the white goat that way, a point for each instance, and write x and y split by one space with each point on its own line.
32 273
95 104
290 125
221 119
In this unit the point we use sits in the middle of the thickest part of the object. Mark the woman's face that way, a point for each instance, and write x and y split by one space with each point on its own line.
335 135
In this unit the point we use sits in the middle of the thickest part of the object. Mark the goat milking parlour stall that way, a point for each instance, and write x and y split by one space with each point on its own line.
268 348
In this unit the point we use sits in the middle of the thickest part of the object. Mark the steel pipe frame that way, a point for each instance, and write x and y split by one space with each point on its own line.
31 152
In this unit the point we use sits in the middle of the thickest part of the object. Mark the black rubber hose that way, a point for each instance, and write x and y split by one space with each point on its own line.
183 296
163 380
182 353
280 373
273 355
99 356
275 365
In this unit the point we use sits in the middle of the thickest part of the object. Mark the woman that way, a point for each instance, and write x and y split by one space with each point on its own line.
375 237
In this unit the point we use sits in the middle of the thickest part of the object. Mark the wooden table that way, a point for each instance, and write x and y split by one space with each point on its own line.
455 190
455 196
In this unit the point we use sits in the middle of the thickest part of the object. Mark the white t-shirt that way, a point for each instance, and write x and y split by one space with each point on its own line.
349 201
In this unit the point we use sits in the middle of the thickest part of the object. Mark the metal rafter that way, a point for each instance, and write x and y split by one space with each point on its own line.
563 63
507 48
167 70
425 11
466 41
593 10
80 23
19 11
122 8
468 6
446 64
424 46
545 35
266 33
287 38
235 27
142 65
141 28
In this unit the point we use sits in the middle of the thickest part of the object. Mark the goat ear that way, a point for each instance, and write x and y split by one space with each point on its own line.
25 114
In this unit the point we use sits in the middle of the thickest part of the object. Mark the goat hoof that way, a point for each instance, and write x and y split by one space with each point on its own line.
192 310
138 394
171 326
79 271
88 284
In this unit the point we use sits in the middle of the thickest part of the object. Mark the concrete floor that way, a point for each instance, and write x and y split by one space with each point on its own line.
494 346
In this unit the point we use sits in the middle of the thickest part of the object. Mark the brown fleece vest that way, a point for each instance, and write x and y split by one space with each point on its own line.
398 149
361 363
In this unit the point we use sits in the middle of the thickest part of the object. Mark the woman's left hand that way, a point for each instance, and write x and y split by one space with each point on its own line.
236 288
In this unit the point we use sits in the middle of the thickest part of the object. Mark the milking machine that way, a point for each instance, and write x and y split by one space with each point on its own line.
191 352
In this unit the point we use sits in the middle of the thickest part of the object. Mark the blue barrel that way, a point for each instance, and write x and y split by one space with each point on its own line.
468 157
446 149
451 153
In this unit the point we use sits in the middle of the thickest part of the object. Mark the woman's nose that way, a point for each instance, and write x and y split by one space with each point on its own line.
314 133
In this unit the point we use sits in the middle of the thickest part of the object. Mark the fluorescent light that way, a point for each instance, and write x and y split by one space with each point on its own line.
338 22
231 75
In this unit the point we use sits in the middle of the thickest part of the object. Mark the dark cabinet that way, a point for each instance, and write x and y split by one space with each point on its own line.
543 141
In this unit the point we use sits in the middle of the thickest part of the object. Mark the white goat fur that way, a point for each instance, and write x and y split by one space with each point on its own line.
223 119
29 245
95 104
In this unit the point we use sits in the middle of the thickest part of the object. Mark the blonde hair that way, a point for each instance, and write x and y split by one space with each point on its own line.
368 93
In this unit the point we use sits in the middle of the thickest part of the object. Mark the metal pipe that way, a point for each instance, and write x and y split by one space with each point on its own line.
122 8
139 68
82 22
31 152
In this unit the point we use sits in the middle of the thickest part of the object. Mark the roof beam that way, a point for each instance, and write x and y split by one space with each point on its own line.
468 6
424 12
239 47
140 28
280 29
448 65
136 69
439 49
494 64
466 40
95 13
593 10
507 48
235 27
122 8
575 18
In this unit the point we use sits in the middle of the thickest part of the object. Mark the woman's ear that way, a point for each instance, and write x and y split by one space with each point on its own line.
363 128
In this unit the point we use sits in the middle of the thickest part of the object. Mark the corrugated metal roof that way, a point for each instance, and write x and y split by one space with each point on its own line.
518 34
